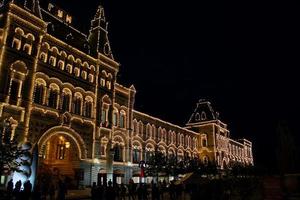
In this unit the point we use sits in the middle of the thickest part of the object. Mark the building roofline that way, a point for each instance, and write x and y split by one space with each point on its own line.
165 122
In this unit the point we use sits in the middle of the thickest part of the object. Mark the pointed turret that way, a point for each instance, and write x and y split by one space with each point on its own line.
98 35
203 112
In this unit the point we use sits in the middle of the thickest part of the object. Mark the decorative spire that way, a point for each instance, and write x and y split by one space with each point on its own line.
98 36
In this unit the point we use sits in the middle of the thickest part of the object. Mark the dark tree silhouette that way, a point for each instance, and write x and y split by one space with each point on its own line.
12 154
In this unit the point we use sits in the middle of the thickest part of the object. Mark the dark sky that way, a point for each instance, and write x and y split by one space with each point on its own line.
242 56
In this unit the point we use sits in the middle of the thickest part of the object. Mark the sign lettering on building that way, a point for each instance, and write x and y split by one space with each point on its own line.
60 13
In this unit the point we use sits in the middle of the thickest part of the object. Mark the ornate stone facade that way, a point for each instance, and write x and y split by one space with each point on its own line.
60 85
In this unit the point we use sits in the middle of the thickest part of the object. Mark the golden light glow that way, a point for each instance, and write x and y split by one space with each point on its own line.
67 144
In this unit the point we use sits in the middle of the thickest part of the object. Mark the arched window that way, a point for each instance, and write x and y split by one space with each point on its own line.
52 61
136 154
115 117
108 85
159 134
141 129
148 131
170 137
163 135
122 119
174 137
53 56
203 115
91 78
88 108
53 96
118 153
28 45
66 102
102 82
44 52
84 75
77 105
43 57
69 68
197 117
135 127
16 43
76 71
186 141
61 64
154 132
39 94
182 139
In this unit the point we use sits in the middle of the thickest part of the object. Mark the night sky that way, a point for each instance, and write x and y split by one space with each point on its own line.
242 56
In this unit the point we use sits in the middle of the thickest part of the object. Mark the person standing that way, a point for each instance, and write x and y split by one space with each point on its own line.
27 190
10 188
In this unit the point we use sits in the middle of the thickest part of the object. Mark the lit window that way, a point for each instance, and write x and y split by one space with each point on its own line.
69 68
27 48
84 74
52 60
43 57
91 78
108 84
77 71
102 82
61 64
16 43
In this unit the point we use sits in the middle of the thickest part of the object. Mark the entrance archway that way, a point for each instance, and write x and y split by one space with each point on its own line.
60 152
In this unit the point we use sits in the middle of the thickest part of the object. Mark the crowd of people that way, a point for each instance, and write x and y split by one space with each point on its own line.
140 191
57 190
42 191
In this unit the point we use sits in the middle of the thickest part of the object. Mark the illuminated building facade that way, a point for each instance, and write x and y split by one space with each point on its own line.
60 85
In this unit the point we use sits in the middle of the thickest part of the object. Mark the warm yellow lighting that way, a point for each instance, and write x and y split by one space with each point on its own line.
67 145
